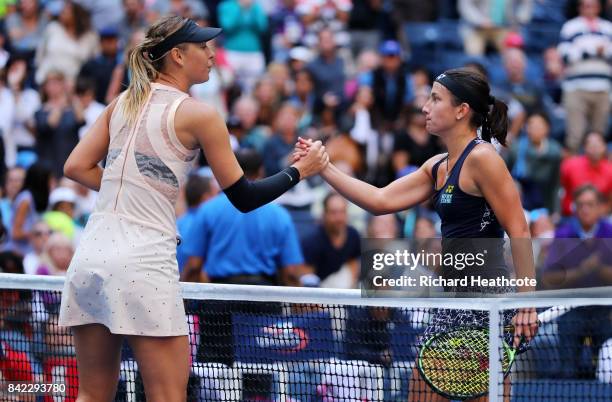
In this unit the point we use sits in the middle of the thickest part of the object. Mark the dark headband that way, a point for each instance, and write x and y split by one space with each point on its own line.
190 32
465 95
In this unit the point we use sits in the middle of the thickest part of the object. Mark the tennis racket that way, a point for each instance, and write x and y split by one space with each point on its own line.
455 363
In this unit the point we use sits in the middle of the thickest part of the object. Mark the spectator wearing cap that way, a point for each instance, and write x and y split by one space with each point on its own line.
488 21
590 168
25 27
586 49
66 43
60 218
100 68
299 57
391 85
244 25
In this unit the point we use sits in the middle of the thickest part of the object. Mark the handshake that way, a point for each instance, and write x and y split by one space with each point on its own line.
309 157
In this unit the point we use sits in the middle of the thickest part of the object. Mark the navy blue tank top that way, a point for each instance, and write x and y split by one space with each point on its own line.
468 226
463 215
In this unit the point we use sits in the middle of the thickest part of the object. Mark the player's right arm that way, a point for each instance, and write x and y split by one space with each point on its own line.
201 125
398 195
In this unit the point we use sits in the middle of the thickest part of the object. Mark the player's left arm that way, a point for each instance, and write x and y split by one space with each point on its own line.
496 185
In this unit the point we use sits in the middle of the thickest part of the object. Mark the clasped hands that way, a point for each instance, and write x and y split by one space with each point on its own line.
309 157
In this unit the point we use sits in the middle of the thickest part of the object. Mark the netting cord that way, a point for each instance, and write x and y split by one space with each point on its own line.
495 369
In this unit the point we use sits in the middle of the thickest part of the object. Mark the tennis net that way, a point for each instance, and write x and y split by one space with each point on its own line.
252 343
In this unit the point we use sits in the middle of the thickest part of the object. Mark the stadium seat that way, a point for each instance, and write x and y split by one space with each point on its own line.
449 36
560 390
303 378
397 380
354 380
538 37
422 39
548 11
604 363
217 382
542 359
259 381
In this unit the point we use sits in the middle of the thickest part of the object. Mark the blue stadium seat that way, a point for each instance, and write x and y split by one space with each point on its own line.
449 36
538 37
549 11
448 58
560 390
303 378
422 38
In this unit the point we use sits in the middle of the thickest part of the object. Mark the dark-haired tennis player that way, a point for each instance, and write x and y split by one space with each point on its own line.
472 192
123 279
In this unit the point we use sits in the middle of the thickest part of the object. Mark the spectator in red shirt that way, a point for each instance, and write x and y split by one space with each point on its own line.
590 168
14 366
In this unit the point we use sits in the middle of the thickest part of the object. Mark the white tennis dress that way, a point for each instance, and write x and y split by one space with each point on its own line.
124 273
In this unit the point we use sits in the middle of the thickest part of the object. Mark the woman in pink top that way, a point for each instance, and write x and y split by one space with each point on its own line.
123 279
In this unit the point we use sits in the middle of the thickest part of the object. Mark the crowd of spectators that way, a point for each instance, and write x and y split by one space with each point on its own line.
353 73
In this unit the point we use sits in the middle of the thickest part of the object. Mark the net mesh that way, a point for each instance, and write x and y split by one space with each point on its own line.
243 350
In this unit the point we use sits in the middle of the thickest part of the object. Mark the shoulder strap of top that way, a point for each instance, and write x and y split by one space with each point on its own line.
457 168
434 169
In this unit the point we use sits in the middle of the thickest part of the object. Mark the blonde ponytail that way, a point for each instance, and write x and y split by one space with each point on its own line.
142 70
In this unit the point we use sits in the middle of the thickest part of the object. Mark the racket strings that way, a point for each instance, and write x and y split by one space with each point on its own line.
457 363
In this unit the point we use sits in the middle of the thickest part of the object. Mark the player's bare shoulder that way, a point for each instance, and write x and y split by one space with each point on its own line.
192 112
192 117
484 155
429 164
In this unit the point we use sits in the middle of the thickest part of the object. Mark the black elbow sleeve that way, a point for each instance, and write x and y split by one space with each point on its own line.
248 195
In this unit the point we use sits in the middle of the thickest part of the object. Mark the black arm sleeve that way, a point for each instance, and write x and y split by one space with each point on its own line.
248 195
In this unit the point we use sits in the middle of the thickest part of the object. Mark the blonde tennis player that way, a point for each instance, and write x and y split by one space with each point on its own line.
123 279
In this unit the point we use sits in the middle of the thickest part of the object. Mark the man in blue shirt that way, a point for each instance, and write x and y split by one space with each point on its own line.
257 248
198 190
579 257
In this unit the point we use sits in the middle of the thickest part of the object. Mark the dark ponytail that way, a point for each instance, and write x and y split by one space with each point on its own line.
468 86
495 124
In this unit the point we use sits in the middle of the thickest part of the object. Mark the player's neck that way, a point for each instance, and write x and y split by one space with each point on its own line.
176 82
456 143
